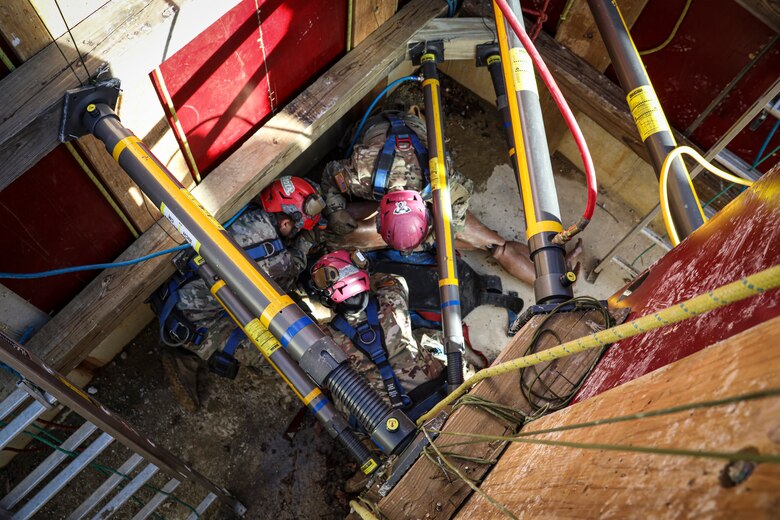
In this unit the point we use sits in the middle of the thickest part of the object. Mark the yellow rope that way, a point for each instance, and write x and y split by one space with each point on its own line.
362 512
724 295
671 36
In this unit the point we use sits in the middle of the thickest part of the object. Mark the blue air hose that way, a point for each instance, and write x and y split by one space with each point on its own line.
373 104
91 267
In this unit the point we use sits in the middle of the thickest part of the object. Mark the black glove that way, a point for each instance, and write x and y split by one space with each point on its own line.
341 222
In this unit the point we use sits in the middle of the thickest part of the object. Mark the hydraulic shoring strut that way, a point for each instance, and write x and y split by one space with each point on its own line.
427 55
89 110
308 392
517 98
654 130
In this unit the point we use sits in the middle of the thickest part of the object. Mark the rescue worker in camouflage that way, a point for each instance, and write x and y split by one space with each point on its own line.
344 285
345 183
277 231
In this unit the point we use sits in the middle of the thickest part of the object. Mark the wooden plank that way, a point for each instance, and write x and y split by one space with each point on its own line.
578 32
425 492
768 11
90 317
460 35
132 36
22 29
128 195
368 16
74 10
553 482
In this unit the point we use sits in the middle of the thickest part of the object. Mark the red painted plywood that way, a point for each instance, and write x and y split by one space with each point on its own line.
232 77
742 239
53 217
715 41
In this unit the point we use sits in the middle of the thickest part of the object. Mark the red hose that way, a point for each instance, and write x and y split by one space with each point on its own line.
590 171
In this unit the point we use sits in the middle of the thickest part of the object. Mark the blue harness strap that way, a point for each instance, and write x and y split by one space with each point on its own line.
398 136
368 338
170 325
232 343
265 249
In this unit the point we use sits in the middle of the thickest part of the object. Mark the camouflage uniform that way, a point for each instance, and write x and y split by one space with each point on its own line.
354 177
199 306
412 365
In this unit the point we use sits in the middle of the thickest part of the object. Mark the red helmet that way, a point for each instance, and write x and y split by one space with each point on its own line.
340 275
403 220
296 198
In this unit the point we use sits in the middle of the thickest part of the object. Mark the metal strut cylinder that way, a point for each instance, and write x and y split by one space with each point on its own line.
427 55
648 115
308 392
517 99
88 110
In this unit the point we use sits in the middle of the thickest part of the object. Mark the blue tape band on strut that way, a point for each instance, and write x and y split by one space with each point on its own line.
449 303
294 329
317 407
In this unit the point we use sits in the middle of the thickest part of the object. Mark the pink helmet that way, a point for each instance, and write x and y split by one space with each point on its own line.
340 275
403 220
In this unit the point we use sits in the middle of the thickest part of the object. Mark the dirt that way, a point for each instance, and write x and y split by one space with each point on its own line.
237 437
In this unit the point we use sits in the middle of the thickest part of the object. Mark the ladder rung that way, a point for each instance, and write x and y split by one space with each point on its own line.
124 495
20 422
105 488
157 500
47 466
64 476
210 498
10 403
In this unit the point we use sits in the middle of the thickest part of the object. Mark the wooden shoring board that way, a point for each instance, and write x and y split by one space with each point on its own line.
553 482
425 492
131 36
22 29
92 315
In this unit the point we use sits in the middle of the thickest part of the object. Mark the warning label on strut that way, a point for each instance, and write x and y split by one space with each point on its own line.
522 69
647 112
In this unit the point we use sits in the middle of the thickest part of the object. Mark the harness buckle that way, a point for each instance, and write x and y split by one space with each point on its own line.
270 248
403 143
363 334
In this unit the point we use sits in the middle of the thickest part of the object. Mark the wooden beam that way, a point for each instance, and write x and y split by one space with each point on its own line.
552 482
131 36
22 29
91 316
460 35
425 491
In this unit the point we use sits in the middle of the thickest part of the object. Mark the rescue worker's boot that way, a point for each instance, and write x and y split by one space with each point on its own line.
181 370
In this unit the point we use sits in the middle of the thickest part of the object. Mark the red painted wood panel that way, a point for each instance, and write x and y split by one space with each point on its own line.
715 41
230 79
742 239
52 217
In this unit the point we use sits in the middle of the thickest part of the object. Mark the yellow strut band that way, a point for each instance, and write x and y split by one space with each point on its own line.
311 396
448 281
274 307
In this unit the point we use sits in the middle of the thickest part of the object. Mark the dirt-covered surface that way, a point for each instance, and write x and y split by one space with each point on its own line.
237 438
